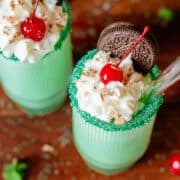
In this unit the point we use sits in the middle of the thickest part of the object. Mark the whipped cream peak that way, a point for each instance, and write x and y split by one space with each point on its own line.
115 101
12 42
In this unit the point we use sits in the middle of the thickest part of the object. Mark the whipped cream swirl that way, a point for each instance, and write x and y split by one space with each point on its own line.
115 101
12 42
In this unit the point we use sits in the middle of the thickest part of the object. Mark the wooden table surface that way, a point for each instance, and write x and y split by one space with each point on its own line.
26 138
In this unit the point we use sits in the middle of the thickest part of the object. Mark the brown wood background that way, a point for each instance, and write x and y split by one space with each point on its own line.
24 137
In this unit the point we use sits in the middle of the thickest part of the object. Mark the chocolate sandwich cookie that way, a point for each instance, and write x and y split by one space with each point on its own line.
118 37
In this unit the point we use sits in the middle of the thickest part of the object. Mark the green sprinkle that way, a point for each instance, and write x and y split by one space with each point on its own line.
155 72
166 14
14 171
112 121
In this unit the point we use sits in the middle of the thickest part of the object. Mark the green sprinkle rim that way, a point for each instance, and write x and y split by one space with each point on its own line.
62 36
143 116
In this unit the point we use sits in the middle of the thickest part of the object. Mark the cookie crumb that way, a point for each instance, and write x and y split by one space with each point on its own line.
48 148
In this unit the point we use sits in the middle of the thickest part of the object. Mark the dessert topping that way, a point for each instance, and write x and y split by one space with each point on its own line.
119 36
33 27
13 44
112 72
115 101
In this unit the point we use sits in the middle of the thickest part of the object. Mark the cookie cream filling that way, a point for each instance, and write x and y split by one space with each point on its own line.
115 101
12 42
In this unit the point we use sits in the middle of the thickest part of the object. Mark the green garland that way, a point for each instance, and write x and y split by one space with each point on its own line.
62 36
152 103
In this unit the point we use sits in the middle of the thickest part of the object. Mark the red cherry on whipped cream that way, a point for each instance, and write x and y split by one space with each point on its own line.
112 72
33 27
174 163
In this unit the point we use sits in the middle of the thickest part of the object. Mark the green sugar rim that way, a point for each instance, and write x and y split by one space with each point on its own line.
143 116
62 36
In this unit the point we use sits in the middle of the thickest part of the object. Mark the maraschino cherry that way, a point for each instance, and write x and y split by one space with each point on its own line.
112 72
33 27
174 163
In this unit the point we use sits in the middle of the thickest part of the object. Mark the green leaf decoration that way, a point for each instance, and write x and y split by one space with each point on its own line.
14 171
165 14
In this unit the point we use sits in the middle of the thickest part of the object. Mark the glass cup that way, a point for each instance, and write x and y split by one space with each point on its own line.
106 147
41 87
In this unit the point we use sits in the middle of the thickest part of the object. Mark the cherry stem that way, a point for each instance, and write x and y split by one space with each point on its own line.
145 31
35 8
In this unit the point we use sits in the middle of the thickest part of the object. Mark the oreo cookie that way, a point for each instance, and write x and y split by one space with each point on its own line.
118 37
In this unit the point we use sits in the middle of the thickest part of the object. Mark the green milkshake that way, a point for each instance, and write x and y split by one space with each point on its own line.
35 53
114 102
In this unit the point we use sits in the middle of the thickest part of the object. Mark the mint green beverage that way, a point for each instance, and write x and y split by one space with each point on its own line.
40 87
107 147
